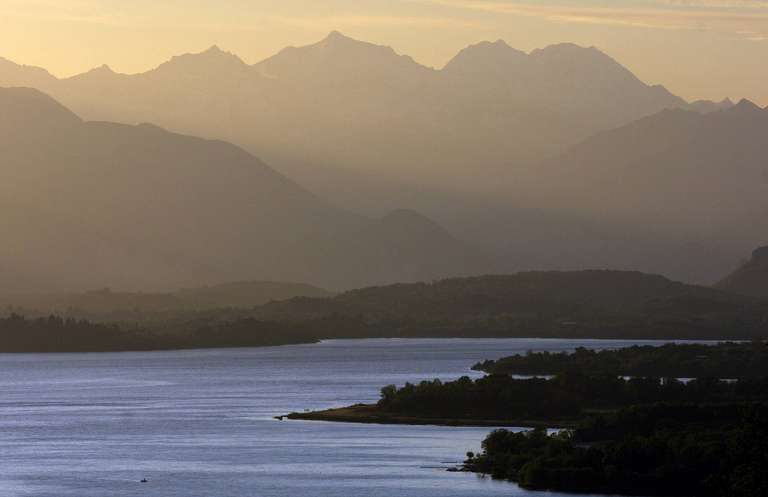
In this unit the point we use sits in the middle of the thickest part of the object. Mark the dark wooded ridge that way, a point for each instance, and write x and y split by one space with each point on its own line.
662 449
724 360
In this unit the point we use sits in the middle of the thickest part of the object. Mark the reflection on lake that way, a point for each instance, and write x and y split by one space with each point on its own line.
199 423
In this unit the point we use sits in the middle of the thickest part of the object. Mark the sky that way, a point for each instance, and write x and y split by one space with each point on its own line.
708 49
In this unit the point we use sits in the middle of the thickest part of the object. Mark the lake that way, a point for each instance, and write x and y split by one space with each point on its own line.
200 423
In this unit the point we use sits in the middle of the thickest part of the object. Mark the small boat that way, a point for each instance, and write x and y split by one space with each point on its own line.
144 480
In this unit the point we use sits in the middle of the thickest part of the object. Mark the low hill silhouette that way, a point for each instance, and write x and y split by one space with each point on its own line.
239 295
593 304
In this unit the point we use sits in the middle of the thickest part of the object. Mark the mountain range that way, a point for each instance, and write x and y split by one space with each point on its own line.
94 204
559 158
354 105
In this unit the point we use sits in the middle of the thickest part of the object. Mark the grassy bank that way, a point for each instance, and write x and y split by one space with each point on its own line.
371 413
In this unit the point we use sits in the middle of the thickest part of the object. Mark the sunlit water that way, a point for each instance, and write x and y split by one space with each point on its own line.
200 423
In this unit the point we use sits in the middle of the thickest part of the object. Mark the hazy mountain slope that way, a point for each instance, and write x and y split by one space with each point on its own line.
703 169
417 236
375 131
751 278
93 204
244 295
12 74
486 59
695 183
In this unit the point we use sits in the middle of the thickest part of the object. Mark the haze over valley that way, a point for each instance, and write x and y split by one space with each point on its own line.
555 159
188 212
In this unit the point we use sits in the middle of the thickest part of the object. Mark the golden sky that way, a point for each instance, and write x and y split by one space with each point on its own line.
697 48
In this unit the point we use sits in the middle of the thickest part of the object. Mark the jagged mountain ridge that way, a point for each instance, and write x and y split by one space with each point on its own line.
361 106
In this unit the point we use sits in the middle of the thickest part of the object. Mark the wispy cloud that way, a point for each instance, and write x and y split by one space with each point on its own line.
716 3
341 21
747 19
90 11
737 17
94 12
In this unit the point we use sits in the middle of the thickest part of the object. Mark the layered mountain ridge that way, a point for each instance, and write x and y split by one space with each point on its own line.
93 204
496 146
362 106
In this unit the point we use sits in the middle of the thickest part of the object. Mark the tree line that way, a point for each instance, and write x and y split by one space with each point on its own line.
569 396
660 449
724 360
57 334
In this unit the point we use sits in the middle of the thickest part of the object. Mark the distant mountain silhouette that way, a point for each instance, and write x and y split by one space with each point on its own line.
487 58
707 106
583 84
363 107
751 278
96 204
416 235
340 59
12 74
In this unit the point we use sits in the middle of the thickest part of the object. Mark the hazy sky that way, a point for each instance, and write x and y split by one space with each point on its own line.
697 48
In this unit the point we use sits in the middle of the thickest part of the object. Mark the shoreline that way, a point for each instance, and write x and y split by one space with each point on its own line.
321 341
369 414
151 350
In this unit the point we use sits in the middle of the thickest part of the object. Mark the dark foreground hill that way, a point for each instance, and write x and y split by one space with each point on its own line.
597 304
583 304
702 449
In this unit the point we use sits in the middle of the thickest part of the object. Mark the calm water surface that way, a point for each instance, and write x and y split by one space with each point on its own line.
199 423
